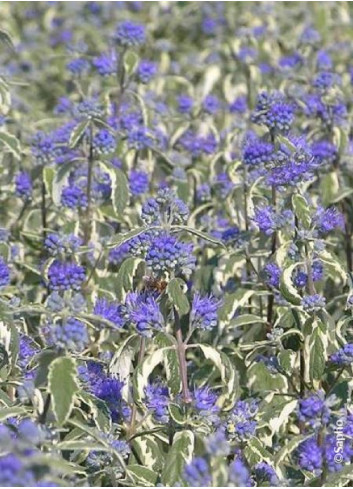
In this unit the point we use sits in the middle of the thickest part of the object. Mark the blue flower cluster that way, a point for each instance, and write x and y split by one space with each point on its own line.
70 335
65 276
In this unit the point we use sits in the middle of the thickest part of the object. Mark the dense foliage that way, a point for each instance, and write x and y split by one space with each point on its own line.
176 244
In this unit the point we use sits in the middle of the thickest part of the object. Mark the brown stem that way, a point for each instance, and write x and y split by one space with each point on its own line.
88 224
140 357
181 358
43 207
43 416
273 251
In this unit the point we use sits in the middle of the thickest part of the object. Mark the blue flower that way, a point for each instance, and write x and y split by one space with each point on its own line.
239 105
211 104
142 311
166 207
204 400
309 455
65 244
146 70
325 80
313 303
300 279
291 61
88 108
14 474
265 473
239 475
104 142
257 152
112 311
23 183
65 276
139 138
109 391
119 253
129 33
273 111
71 335
73 197
204 312
106 64
265 219
314 409
4 273
317 270
185 104
157 401
324 152
197 144
27 350
197 473
343 356
217 444
241 422
78 66
138 182
43 148
273 274
166 254
323 60
203 192
327 220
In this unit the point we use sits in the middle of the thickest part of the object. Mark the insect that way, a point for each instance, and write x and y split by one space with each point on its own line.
155 284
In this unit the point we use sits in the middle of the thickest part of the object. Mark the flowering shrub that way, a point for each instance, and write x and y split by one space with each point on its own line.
176 283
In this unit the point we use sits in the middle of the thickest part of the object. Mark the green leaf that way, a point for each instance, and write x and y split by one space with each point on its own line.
287 360
340 479
227 372
286 142
142 476
82 445
10 412
340 139
144 370
11 144
177 296
200 234
341 195
261 379
124 279
288 448
5 96
333 265
120 364
78 133
171 363
316 350
120 187
99 410
48 177
180 453
131 61
6 40
329 187
149 452
232 302
123 238
301 210
177 414
245 319
63 385
255 452
286 285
